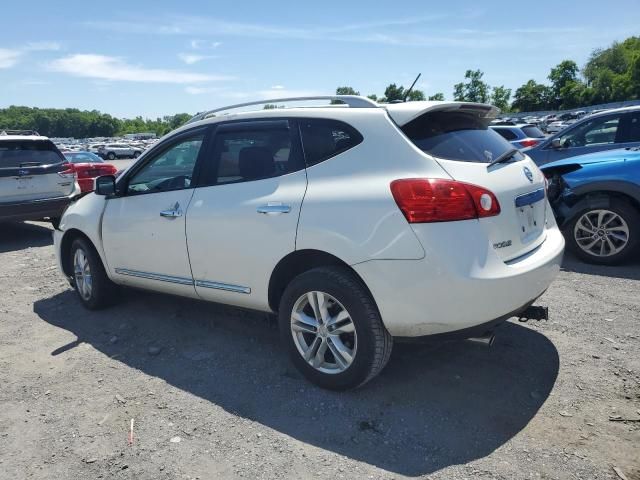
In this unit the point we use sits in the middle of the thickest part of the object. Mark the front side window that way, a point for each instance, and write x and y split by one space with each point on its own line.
170 170
243 153
457 135
323 139
598 131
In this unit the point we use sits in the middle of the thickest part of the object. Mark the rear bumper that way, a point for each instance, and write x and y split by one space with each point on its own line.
458 285
35 209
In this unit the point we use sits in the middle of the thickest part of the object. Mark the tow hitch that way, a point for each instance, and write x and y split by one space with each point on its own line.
534 313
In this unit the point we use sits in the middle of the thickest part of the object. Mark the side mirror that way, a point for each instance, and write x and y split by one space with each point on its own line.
555 143
105 185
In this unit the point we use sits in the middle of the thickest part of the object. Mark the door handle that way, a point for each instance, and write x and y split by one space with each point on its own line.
275 209
173 213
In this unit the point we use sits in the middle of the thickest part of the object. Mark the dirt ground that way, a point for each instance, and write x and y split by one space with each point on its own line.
212 394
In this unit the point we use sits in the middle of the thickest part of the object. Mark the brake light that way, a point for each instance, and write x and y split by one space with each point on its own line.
425 200
529 143
69 172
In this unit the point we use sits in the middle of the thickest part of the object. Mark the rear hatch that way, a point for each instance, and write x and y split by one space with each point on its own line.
458 138
32 169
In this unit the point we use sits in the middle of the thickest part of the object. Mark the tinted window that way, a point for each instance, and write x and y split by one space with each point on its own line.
506 134
633 127
463 136
17 153
170 170
323 139
598 131
82 157
246 152
533 132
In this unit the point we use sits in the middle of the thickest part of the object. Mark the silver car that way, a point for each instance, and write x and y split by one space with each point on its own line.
521 135
617 128
111 151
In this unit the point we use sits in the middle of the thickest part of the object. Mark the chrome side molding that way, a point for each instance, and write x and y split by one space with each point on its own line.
184 281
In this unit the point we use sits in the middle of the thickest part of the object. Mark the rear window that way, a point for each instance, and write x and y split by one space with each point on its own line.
462 136
83 157
533 132
23 153
506 133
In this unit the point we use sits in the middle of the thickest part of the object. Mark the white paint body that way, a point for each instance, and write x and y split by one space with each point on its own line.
425 278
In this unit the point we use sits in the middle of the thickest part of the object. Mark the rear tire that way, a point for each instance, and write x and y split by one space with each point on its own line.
90 280
346 321
607 235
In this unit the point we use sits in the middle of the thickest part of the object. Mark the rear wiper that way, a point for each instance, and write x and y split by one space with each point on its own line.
504 157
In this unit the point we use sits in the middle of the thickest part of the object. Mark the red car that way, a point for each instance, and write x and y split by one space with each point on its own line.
87 167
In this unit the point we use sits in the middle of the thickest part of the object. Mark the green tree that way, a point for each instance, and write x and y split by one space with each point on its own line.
473 89
437 97
531 96
346 91
373 97
611 74
562 75
500 97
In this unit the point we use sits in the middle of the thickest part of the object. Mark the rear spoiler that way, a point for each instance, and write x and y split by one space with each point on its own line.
403 113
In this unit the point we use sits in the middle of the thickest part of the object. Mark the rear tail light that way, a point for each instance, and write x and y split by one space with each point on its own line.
529 143
425 200
68 172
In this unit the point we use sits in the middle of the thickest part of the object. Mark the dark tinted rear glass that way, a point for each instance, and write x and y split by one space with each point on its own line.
533 132
323 139
460 135
506 133
20 153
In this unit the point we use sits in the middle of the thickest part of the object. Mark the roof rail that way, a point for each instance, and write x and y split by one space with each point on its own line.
353 101
18 132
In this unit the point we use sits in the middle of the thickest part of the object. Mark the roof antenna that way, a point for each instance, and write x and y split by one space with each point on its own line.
406 94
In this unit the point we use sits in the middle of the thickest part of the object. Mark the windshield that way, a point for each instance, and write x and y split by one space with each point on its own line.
458 135
21 153
82 157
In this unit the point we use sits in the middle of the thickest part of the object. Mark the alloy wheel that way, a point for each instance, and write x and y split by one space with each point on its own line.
82 273
601 233
323 332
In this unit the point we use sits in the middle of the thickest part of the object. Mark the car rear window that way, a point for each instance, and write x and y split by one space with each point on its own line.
459 135
83 157
506 133
533 132
23 153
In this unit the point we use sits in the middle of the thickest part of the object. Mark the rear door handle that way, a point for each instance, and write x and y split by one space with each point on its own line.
173 213
275 209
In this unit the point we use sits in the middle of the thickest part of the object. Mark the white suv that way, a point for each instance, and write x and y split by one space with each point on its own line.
357 223
112 151
35 180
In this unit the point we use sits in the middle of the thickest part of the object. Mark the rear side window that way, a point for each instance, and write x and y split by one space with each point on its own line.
533 132
23 153
459 135
506 133
324 138
250 151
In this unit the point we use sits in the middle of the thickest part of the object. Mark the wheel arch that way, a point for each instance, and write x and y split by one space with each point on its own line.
599 196
65 248
298 262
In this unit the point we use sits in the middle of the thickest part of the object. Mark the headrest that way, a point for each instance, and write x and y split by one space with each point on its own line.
256 162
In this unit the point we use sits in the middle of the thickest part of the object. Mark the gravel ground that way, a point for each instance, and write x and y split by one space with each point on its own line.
212 395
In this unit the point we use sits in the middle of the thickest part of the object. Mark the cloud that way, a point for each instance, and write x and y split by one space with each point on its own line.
191 58
199 44
116 69
277 91
8 58
277 87
42 46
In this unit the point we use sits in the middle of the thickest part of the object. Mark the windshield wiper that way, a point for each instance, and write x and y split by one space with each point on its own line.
504 157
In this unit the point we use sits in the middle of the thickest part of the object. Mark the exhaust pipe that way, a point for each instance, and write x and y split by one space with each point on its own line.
486 339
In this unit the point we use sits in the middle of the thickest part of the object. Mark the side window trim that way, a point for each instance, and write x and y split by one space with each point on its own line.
160 148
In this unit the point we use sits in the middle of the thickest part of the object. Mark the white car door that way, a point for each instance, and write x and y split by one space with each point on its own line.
144 226
244 219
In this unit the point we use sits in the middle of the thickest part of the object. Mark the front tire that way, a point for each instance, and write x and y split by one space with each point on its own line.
332 329
605 236
111 156
90 280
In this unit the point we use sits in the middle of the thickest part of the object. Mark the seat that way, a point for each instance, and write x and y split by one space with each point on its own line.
256 162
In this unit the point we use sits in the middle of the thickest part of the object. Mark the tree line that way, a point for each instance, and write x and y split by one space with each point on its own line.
610 75
71 122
